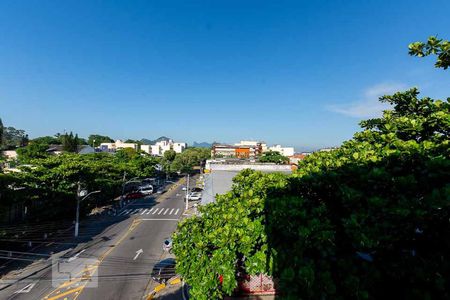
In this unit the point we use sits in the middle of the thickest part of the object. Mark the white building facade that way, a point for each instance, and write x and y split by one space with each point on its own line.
285 151
117 145
160 147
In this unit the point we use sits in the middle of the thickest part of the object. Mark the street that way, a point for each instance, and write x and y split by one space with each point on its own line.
117 263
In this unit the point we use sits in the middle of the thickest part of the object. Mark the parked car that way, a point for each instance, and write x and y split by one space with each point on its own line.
183 188
197 189
146 189
164 270
134 195
195 196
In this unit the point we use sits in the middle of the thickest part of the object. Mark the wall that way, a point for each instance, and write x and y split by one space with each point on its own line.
254 166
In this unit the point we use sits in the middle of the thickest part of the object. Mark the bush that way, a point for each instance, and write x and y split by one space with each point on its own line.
368 220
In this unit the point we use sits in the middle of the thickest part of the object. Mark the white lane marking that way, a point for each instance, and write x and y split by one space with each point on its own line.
25 289
143 212
162 209
176 213
75 256
139 252
126 211
166 211
150 211
155 211
136 210
171 211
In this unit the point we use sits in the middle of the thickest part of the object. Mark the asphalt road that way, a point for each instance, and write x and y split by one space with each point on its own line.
116 264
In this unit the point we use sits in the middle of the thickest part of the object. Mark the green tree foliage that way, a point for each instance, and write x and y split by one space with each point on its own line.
167 161
438 47
70 142
229 236
170 155
13 138
191 157
98 139
47 140
369 220
273 157
52 181
32 151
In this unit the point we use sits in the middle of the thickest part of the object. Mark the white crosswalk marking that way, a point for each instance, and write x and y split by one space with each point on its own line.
126 211
153 211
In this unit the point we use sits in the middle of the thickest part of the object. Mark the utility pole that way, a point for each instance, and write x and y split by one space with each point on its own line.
187 192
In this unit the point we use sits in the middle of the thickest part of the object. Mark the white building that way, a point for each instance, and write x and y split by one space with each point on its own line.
285 151
146 148
160 147
117 145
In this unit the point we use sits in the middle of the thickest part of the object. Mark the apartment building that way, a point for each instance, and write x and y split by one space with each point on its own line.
160 147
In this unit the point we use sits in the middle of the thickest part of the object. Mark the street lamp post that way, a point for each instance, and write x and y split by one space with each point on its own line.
85 195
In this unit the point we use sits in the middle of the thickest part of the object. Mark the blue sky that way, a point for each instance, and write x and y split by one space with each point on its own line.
299 73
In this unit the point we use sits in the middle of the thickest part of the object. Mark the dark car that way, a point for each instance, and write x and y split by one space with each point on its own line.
197 189
134 195
164 270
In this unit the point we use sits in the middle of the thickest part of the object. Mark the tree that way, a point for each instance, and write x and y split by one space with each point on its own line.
1 133
13 138
169 155
438 47
366 221
47 140
126 154
167 161
32 151
52 181
70 142
191 157
274 157
98 139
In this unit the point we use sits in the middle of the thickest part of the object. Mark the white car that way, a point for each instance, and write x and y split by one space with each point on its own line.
146 190
195 196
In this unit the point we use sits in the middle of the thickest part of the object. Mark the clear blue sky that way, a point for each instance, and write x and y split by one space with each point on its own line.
299 73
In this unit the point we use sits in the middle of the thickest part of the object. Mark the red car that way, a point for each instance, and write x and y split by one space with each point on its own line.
134 195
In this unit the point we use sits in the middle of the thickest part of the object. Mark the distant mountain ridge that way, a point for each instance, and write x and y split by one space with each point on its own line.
202 145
